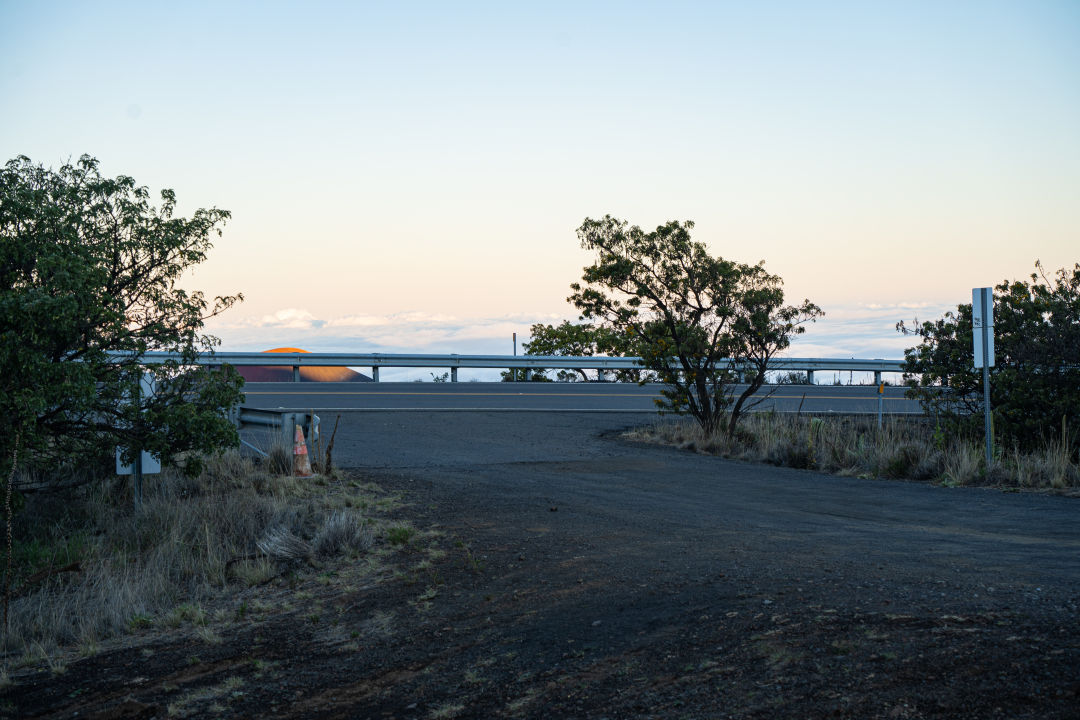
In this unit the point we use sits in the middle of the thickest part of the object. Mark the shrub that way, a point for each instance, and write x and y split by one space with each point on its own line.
88 281
903 449
1035 381
191 538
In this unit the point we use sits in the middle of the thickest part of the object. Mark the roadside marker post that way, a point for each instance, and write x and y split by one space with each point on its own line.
880 402
982 327
144 463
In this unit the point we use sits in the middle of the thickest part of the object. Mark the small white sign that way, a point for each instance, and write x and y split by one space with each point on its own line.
982 325
151 465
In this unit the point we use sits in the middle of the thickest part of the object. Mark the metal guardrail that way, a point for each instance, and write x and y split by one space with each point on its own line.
523 362
282 421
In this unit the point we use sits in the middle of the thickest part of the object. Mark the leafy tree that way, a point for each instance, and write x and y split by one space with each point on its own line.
524 375
565 339
569 339
88 267
697 321
583 340
1035 381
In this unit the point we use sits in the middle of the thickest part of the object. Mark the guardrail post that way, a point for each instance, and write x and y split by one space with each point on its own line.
288 431
601 375
375 373
877 377
453 374
296 373
809 377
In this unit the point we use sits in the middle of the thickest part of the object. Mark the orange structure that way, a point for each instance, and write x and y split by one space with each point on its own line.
270 373
301 462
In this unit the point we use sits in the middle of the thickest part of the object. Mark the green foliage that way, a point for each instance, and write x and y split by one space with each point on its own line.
400 534
525 375
37 554
697 321
88 267
581 340
140 621
577 340
1035 382
565 339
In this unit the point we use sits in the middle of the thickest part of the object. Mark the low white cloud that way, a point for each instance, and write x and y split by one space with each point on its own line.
290 318
349 321
864 331
902 306
412 331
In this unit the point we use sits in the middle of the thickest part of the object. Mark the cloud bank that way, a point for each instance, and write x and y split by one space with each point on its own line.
864 331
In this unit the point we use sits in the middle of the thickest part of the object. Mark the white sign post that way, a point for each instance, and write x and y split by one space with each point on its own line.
982 326
144 463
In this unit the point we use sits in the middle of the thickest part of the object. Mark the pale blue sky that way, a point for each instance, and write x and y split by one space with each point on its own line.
410 175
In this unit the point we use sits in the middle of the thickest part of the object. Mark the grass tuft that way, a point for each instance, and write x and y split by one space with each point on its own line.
400 534
903 448
90 567
342 532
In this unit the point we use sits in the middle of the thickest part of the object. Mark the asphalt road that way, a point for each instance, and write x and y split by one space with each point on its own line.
578 397
996 549
514 463
711 511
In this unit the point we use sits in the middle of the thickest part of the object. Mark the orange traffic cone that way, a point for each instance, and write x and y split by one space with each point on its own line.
301 464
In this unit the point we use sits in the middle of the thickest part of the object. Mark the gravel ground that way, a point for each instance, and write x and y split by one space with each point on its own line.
564 572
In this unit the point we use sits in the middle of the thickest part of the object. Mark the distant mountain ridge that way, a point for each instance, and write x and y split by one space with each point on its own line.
272 373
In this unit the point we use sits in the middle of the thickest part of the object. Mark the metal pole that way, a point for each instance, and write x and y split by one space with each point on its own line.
136 468
880 402
288 432
986 411
513 371
986 379
137 475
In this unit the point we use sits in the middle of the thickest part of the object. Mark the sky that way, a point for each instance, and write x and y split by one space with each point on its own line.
408 177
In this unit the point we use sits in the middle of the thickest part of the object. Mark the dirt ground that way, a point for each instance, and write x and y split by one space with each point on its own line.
531 603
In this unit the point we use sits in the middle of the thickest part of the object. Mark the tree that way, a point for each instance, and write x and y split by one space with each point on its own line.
89 267
583 340
697 321
1035 380
525 375
567 339
570 339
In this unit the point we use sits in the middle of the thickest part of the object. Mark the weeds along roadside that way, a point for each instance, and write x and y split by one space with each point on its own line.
88 567
904 448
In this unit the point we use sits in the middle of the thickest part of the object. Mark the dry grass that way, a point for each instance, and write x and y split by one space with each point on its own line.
903 449
192 541
963 464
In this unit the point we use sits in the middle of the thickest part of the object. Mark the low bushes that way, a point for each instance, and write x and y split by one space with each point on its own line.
903 448
87 566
